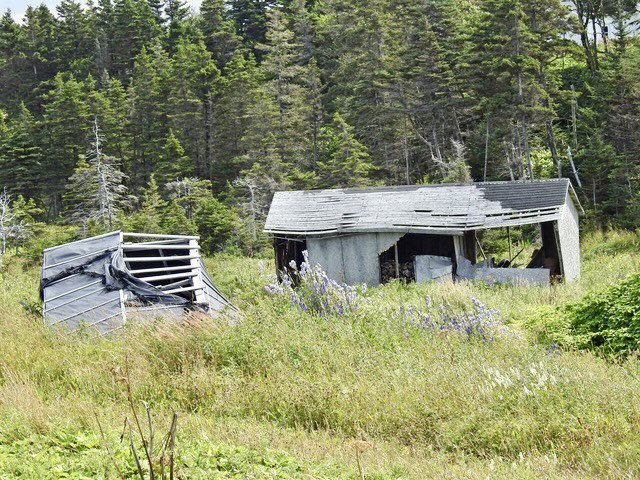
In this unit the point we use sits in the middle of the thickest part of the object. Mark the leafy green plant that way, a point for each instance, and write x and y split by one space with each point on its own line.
608 321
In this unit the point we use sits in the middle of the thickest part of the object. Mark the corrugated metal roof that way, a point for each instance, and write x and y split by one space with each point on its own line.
443 208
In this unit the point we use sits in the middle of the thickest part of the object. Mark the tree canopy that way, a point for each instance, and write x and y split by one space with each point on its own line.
242 98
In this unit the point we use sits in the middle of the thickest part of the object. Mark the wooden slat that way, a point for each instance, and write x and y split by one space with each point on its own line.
160 269
153 235
168 277
184 289
138 246
160 259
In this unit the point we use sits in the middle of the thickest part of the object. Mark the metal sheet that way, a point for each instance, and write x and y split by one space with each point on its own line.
444 208
431 267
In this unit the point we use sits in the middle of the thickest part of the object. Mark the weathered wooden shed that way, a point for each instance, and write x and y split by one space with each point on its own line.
352 232
103 281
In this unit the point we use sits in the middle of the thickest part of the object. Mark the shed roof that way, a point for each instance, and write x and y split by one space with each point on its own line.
443 208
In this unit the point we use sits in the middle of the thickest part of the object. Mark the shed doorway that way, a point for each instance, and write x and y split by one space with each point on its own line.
289 250
399 260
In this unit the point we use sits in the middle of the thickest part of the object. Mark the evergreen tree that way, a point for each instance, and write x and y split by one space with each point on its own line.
189 193
14 69
219 32
133 26
177 13
216 224
173 162
39 48
346 161
363 71
250 18
158 7
21 156
245 93
73 38
147 218
195 81
148 113
284 84
66 128
239 108
108 102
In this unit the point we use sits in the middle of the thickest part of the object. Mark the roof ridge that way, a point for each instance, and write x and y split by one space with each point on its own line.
430 185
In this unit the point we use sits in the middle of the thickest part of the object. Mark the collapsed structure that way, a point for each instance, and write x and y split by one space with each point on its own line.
100 282
358 234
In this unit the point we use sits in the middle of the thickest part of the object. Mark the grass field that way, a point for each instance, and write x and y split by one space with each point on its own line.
282 393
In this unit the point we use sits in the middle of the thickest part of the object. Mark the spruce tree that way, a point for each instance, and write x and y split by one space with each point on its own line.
173 162
21 156
238 108
73 38
346 162
67 129
148 113
14 71
193 89
133 27
177 13
284 84
39 47
219 32
148 217
250 18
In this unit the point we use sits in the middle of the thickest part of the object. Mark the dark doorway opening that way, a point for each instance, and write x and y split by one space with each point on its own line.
288 250
408 247
548 256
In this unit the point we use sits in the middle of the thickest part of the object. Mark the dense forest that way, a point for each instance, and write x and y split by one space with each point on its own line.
147 115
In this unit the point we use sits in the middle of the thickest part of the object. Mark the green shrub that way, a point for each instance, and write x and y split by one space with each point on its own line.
47 236
608 321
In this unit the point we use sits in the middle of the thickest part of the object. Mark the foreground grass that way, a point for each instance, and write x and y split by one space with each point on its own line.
282 394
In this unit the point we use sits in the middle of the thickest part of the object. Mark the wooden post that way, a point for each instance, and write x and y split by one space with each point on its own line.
395 251
123 310
509 236
198 283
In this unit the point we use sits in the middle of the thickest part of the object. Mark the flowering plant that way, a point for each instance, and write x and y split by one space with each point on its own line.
310 289
479 322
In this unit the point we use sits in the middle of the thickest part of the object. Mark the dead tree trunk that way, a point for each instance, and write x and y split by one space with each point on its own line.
552 146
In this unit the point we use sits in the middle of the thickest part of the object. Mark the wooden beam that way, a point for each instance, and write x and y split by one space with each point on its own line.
142 247
155 278
160 269
153 235
395 252
160 259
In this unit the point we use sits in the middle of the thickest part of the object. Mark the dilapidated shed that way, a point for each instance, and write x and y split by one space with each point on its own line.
101 282
354 233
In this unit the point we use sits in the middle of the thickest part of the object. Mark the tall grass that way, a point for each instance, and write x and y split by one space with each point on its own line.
284 393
